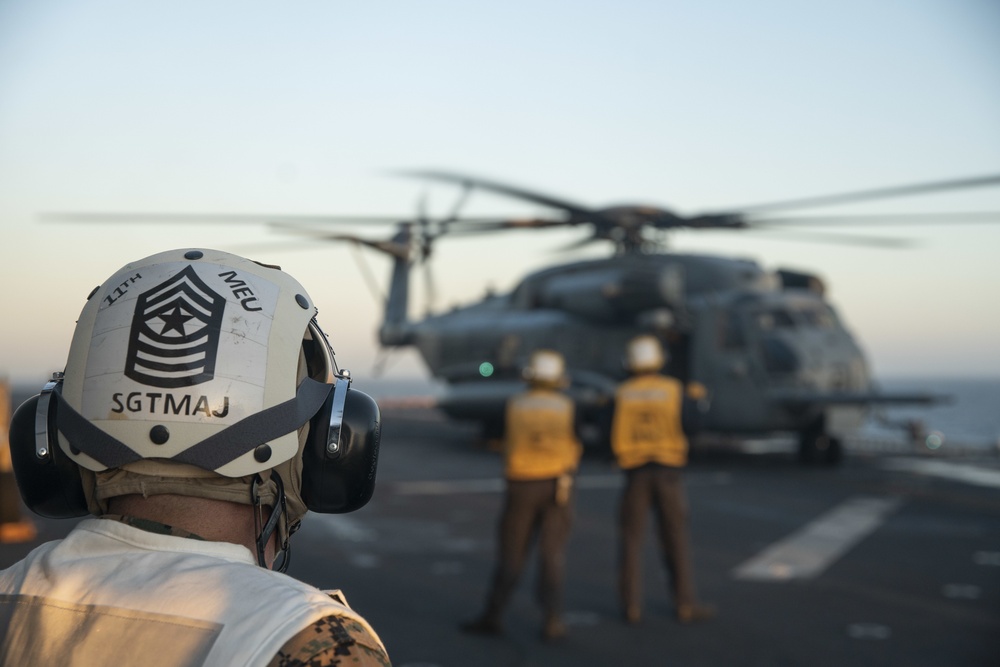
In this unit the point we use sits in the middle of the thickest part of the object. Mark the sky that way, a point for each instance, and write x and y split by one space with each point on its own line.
308 107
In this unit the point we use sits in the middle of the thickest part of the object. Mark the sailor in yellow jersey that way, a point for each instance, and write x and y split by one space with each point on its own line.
649 444
541 454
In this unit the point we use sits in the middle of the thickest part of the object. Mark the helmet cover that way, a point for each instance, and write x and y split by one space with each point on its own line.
178 347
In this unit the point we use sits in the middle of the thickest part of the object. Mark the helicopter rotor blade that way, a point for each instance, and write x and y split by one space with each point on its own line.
901 219
389 247
366 273
630 227
835 238
465 228
275 220
578 213
457 206
878 193
603 219
215 218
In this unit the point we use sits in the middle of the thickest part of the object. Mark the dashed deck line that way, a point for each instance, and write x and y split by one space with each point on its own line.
809 551
959 472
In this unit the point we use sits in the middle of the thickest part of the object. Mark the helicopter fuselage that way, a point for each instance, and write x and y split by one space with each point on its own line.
773 355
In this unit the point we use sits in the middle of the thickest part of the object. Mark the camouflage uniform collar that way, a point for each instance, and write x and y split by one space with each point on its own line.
152 526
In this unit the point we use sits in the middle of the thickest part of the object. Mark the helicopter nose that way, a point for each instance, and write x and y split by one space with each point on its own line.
779 357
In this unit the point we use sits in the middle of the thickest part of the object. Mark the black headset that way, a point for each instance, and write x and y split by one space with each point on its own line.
49 481
339 461
341 452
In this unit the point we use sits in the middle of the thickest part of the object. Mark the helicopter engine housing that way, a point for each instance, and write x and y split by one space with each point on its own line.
613 294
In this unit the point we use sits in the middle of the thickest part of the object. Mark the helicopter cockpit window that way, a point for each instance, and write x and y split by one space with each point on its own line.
820 318
775 319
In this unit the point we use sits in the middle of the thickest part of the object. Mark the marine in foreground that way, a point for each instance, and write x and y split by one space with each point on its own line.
200 415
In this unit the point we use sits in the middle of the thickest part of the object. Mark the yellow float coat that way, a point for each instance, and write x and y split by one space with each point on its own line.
540 441
647 422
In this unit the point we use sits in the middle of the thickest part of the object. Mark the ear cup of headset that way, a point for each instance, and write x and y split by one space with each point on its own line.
50 486
343 481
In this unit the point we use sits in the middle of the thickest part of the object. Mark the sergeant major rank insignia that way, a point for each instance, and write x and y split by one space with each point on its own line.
174 338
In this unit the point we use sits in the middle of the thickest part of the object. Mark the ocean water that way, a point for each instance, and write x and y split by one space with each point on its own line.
969 419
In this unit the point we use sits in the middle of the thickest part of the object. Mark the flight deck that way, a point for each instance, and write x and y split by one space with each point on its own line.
891 558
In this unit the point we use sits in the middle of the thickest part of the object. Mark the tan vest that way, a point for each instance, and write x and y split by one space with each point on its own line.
647 422
112 594
540 442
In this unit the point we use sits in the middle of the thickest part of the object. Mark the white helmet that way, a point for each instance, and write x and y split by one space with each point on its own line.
645 354
176 358
199 373
546 367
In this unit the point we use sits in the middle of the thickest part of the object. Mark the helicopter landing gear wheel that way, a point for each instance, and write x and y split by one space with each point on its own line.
816 446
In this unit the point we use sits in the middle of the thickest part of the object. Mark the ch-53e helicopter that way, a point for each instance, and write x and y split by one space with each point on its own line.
769 347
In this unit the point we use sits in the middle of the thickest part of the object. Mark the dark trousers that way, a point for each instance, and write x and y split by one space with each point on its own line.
530 511
661 488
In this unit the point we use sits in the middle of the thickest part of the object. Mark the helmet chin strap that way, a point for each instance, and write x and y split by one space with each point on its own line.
266 531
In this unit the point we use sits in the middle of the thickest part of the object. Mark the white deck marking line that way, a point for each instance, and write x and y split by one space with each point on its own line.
960 472
809 551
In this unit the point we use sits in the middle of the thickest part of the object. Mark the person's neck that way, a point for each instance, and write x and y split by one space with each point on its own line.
213 520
